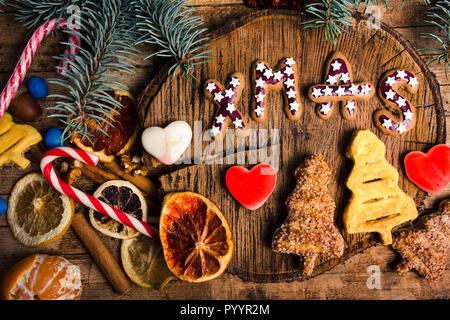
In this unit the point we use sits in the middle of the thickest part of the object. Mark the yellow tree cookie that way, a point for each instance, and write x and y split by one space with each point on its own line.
377 203
15 139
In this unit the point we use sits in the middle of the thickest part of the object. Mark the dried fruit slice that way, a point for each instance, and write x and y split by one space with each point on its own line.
37 213
124 196
121 135
143 262
42 277
195 236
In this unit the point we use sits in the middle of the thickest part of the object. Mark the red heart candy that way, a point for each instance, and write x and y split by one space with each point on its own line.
430 171
251 188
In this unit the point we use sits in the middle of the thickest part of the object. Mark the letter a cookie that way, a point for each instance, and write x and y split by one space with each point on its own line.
377 203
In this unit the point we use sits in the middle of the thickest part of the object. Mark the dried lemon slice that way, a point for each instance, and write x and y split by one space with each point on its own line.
124 196
37 213
144 263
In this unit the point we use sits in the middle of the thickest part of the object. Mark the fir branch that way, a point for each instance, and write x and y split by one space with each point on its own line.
108 34
175 28
33 13
439 16
332 15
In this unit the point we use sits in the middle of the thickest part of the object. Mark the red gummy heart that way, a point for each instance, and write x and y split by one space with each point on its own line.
430 171
251 188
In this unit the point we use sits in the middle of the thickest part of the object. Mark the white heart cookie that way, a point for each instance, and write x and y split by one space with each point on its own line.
168 144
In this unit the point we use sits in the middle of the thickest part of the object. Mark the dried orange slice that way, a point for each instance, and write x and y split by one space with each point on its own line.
122 195
37 213
143 262
195 236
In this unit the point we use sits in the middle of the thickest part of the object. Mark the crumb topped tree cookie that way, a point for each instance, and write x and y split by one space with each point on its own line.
309 229
377 203
425 246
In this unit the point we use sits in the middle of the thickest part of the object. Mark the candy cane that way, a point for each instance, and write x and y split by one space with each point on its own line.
81 197
27 56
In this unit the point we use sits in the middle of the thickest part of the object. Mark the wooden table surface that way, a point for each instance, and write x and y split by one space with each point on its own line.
346 281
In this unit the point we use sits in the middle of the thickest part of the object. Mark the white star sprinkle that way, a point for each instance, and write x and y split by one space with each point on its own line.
316 92
238 123
260 82
387 123
291 93
260 97
326 108
401 74
332 79
289 83
230 108
260 66
354 89
350 106
391 81
327 91
259 111
413 82
229 93
345 78
211 86
288 71
390 94
218 96
294 106
336 65
268 73
408 115
215 131
290 61
401 127
278 75
340 91
401 102
220 118
365 89
235 82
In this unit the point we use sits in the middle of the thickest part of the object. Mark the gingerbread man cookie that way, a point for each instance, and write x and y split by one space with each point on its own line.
386 120
226 101
283 77
338 87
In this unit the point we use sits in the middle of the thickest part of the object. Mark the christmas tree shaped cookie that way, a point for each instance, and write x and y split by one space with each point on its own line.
377 203
309 229
424 247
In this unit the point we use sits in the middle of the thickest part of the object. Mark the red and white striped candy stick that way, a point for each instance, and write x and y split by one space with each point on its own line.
25 60
81 197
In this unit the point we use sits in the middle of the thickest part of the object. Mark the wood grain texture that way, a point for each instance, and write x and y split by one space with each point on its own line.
345 281
270 36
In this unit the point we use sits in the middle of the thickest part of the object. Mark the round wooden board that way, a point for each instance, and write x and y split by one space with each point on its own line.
272 35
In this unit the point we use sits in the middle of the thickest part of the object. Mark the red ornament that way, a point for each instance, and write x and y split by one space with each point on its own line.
430 171
251 188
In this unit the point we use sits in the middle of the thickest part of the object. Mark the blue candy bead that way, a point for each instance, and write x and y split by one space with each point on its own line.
37 87
53 138
3 206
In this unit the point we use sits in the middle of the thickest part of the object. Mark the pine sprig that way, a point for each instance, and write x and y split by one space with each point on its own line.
108 35
33 13
176 30
334 16
439 16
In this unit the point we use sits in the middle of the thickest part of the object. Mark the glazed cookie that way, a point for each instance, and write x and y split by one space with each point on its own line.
226 101
283 78
338 87
386 120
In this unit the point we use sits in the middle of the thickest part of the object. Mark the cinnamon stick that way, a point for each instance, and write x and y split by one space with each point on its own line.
100 254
